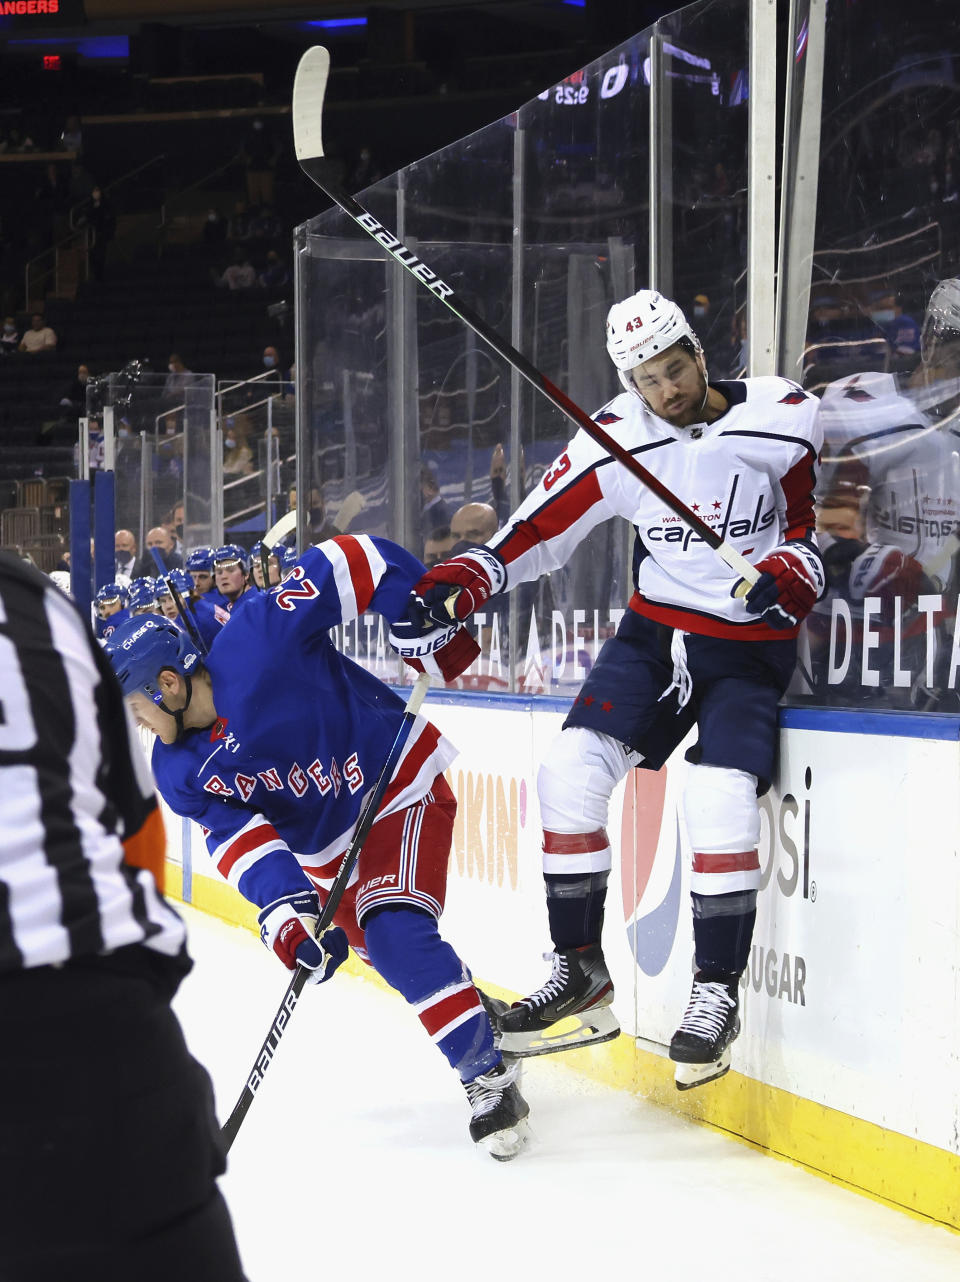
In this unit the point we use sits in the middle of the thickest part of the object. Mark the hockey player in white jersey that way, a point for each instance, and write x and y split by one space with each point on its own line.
691 649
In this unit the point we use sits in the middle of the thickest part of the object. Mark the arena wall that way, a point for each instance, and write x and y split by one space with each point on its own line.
848 1060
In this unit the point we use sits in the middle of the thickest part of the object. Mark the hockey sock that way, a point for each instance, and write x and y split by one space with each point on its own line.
405 947
723 931
575 907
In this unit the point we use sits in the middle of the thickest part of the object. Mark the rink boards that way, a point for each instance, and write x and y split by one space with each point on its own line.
849 1056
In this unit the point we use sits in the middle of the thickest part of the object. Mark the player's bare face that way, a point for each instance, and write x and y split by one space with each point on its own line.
147 714
230 580
674 387
168 607
107 609
202 580
272 566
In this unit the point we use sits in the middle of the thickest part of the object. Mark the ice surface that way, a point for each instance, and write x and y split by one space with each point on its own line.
355 1157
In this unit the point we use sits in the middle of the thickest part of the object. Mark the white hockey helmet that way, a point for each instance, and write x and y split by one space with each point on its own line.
643 326
941 322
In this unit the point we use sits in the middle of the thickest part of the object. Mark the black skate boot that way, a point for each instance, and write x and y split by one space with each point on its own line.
579 988
498 1121
700 1047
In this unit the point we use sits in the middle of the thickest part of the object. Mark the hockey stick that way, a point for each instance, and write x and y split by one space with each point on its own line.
309 89
266 1053
189 624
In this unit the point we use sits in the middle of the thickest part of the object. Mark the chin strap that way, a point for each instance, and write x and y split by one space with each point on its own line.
177 713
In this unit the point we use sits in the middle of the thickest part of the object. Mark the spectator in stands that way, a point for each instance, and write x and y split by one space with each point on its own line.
901 331
434 512
102 221
72 137
319 525
237 454
214 230
240 274
174 523
260 154
38 338
161 539
437 547
74 398
10 338
275 274
273 363
125 552
177 380
473 523
365 172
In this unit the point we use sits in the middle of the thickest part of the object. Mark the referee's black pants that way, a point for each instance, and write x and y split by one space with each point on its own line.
109 1147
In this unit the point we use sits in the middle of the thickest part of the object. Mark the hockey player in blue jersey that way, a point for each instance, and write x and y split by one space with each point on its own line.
693 648
204 616
277 771
231 574
111 604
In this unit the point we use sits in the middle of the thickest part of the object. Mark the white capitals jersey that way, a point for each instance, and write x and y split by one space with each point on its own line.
878 437
750 475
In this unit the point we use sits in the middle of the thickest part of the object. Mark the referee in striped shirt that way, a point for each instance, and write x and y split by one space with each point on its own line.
109 1147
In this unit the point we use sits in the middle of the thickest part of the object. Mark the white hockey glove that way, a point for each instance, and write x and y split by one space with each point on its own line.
288 925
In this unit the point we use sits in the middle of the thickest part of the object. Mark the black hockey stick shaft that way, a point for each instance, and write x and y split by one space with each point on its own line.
368 814
308 93
189 624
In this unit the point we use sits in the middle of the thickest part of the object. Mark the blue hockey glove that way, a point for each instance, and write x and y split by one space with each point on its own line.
288 925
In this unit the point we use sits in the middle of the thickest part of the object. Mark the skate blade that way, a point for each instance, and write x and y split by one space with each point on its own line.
687 1076
504 1146
589 1029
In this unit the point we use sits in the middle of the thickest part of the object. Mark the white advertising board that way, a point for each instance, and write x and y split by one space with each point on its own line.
850 998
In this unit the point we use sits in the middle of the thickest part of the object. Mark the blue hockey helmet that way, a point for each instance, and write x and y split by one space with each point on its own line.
111 592
141 648
200 559
180 579
230 553
287 556
142 594
256 549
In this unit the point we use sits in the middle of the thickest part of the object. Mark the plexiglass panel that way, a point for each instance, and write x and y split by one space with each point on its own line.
882 350
539 223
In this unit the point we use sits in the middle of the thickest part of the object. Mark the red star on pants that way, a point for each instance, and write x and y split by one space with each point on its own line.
606 707
588 700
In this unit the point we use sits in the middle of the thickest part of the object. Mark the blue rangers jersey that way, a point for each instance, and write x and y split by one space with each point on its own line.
105 628
302 732
750 474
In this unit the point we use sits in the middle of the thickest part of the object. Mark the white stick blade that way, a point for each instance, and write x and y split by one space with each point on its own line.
278 532
309 88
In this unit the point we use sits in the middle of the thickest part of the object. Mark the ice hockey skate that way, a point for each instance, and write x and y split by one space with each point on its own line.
498 1122
700 1047
571 1009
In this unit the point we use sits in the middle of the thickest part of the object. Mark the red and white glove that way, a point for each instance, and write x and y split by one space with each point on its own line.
886 572
443 652
288 925
452 590
791 581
